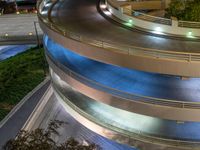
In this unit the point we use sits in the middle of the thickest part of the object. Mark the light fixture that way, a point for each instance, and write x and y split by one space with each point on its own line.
190 33
158 30
130 21
103 6
107 13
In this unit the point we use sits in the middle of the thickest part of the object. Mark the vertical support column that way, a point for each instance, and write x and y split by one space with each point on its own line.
174 22
127 10
167 2
121 9
163 4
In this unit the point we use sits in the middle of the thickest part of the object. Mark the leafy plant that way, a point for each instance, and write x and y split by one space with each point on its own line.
41 139
18 76
188 10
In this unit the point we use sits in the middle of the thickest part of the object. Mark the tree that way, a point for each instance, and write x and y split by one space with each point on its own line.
41 139
2 6
192 13
187 10
176 9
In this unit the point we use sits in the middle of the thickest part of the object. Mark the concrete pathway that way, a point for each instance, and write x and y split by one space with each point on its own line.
18 29
18 118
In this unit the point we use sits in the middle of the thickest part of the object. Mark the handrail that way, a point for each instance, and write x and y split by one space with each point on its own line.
123 94
149 18
188 24
143 16
131 135
152 18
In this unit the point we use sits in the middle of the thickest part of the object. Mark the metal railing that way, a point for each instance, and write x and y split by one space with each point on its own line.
130 51
183 56
123 94
141 15
188 24
125 49
147 17
131 135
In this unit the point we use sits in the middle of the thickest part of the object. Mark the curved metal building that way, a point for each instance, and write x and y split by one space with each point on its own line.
128 84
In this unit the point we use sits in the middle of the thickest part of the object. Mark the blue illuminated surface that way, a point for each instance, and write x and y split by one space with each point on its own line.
127 121
81 132
127 80
156 126
103 142
12 50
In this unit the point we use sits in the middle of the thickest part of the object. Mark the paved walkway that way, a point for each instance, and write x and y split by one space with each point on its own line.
14 124
82 17
18 29
15 25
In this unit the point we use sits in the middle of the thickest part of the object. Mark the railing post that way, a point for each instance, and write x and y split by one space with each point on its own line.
129 51
127 10
36 32
157 55
80 38
70 73
174 22
121 9
189 59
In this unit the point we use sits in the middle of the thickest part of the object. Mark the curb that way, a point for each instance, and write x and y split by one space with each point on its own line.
38 109
22 101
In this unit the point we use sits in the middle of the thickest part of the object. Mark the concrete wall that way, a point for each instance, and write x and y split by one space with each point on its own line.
145 5
139 5
167 2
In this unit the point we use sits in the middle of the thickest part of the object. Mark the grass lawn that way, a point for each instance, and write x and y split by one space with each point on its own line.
18 76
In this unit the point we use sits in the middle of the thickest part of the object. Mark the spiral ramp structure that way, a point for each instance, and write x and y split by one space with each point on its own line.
133 87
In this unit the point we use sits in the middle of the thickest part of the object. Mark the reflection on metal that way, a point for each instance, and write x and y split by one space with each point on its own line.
118 124
143 106
160 61
107 110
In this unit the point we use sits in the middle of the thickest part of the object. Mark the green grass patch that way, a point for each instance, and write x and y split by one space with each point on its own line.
18 76
3 113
